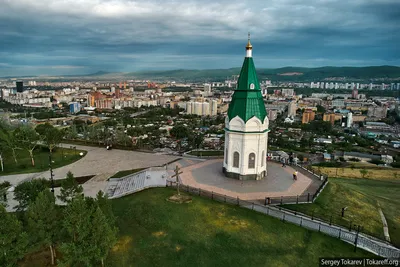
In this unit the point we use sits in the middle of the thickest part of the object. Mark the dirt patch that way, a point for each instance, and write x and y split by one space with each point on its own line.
159 234
180 199
123 244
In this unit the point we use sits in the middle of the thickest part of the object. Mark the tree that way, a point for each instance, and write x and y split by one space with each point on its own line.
14 240
363 173
28 139
320 109
9 140
105 205
180 131
27 192
70 189
103 236
51 136
76 250
43 221
89 233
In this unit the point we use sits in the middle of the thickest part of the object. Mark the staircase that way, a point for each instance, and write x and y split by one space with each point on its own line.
136 182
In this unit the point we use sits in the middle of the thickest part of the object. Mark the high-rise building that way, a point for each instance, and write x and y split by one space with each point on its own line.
214 108
308 116
329 117
20 86
354 93
349 122
292 108
205 109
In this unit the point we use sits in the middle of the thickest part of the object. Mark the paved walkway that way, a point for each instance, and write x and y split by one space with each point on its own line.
279 182
98 160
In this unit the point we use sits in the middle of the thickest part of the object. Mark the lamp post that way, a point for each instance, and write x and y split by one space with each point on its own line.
343 209
51 174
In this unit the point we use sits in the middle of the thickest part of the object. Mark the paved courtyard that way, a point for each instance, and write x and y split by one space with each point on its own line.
98 160
279 182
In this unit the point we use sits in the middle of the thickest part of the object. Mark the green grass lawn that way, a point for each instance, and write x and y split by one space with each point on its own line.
60 157
361 196
155 232
126 172
207 153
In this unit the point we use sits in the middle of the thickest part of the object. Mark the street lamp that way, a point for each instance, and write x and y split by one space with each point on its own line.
51 174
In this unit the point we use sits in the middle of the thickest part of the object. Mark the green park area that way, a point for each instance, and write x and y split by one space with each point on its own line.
126 172
60 157
155 232
362 197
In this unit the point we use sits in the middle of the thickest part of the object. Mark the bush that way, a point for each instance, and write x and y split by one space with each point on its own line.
396 164
354 159
376 161
332 164
342 159
4 185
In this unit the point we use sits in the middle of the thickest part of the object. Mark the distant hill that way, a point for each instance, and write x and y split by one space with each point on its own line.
299 74
280 74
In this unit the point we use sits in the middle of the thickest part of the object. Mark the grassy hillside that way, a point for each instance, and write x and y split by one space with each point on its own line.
154 232
362 197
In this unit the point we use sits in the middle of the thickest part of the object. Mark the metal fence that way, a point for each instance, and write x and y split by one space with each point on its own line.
310 197
369 243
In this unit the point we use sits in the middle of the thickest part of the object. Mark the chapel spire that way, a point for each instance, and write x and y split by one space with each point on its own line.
249 47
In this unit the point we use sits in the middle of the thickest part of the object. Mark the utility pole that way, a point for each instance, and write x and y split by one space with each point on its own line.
51 174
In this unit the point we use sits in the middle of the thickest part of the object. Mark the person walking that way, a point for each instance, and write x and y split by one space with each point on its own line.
295 175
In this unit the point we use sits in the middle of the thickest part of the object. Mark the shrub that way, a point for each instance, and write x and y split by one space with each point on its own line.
396 164
354 159
376 161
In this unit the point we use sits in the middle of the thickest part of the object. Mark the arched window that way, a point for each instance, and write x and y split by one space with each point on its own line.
262 159
236 159
252 161
226 156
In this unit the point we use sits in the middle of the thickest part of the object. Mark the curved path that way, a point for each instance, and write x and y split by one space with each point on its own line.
98 160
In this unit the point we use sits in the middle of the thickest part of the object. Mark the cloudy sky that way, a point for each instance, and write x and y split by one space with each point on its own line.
49 37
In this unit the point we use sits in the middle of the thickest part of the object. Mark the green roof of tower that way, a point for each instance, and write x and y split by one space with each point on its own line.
247 100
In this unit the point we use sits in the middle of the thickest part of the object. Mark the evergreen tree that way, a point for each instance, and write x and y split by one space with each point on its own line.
90 235
27 192
13 240
43 221
105 205
70 189
76 250
103 236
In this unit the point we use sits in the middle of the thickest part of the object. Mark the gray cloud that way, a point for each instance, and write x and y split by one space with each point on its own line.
122 35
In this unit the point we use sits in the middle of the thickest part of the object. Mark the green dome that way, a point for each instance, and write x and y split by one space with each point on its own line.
247 100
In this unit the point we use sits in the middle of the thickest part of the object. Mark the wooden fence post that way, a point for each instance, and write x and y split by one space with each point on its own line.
301 221
297 199
308 197
340 233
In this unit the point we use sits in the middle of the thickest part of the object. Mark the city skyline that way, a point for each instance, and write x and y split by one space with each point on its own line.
81 37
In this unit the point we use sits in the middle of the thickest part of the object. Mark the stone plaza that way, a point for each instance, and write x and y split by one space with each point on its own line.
279 182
